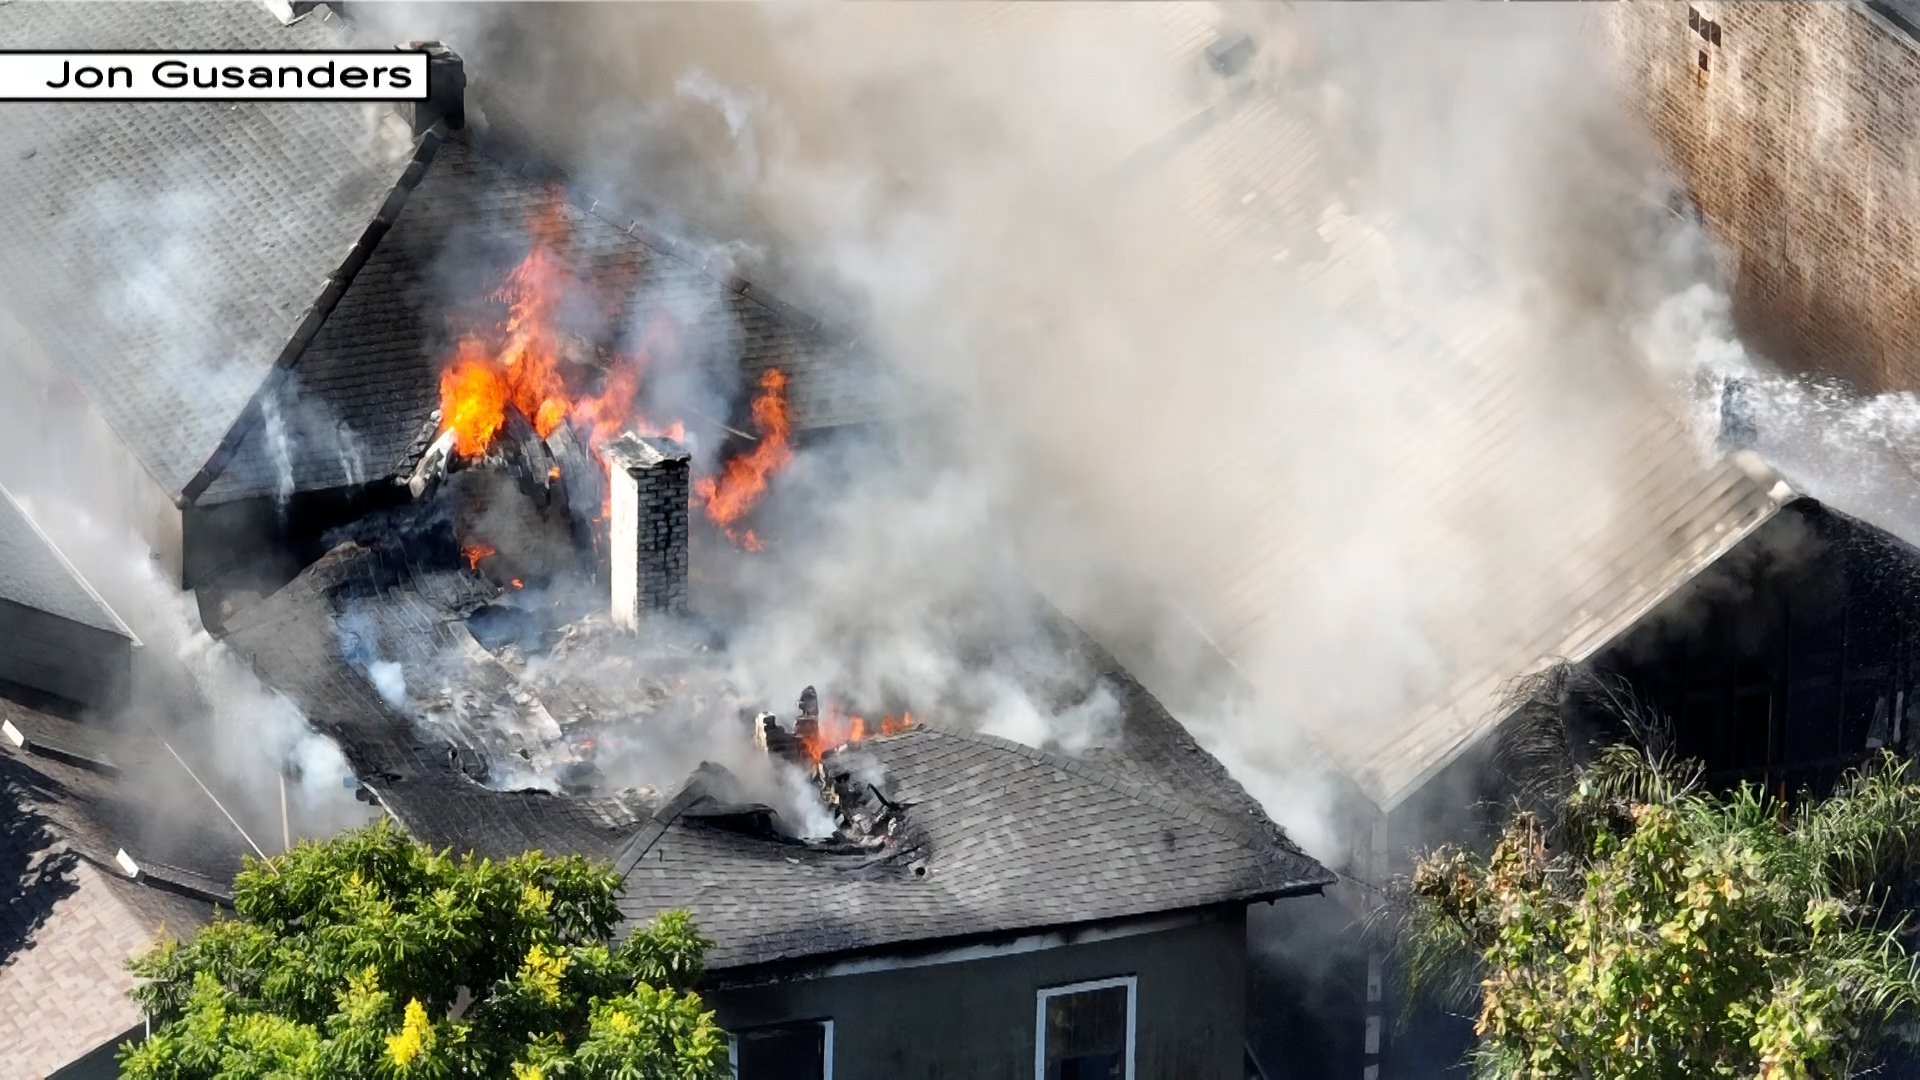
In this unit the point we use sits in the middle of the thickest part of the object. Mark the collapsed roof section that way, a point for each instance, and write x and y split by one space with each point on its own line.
991 837
165 253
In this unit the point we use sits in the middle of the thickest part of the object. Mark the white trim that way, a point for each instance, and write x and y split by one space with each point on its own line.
1131 982
13 734
1029 943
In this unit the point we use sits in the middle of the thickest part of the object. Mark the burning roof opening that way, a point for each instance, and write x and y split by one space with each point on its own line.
522 366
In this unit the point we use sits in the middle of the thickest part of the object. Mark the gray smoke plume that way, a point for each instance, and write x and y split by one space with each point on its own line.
1195 344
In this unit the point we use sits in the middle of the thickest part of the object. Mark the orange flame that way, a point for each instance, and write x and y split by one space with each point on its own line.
835 731
473 399
740 484
517 363
476 551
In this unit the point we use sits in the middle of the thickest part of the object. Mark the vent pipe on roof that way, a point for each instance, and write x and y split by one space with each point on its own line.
446 89
651 481
1739 430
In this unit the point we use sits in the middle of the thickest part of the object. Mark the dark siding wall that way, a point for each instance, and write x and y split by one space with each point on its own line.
1772 665
975 1019
55 656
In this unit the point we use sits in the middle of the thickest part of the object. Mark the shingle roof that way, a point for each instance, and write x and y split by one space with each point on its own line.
34 574
72 919
1008 838
1657 510
372 371
163 253
1251 180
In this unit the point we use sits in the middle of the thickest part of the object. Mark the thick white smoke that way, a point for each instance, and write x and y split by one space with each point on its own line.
1167 322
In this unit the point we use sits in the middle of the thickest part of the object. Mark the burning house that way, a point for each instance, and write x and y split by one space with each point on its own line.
448 503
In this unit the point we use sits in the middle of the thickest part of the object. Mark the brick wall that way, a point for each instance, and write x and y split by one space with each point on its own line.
1798 143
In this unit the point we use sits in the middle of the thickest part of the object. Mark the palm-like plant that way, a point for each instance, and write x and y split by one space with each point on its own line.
1646 927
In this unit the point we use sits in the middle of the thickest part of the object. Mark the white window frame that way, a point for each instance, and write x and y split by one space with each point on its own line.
1131 982
826 1047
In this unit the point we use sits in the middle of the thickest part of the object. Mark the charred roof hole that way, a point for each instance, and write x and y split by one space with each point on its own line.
497 626
919 869
1230 54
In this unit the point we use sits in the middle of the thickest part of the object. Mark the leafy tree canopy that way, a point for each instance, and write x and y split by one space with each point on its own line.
371 955
1658 930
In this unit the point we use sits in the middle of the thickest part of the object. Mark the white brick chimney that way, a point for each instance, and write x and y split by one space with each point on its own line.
647 530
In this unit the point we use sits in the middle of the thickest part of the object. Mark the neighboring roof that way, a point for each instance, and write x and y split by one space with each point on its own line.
1256 181
1008 838
163 253
356 405
33 573
73 919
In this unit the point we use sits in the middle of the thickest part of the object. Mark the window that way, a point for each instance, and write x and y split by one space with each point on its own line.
788 1052
1085 1031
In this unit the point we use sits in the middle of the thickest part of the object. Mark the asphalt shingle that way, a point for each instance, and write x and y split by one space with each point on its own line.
163 253
357 404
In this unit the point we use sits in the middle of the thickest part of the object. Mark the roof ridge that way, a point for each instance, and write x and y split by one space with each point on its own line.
317 313
534 167
72 570
692 790
1133 789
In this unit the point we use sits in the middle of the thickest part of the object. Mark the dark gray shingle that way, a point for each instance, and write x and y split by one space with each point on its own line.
357 401
162 253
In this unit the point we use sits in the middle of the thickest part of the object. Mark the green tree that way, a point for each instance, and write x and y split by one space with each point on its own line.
1658 930
371 955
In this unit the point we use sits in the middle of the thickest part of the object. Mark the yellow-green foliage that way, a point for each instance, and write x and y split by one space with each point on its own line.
348 959
1682 934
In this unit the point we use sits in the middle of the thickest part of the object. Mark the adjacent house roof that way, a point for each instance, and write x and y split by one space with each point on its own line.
34 574
356 405
1008 837
1637 505
73 917
164 253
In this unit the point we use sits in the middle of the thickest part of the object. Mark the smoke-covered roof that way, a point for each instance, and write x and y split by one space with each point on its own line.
1005 837
356 406
73 918
163 253
1262 179
34 574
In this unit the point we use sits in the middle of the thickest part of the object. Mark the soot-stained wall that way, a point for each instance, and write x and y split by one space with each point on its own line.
975 1018
1788 661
